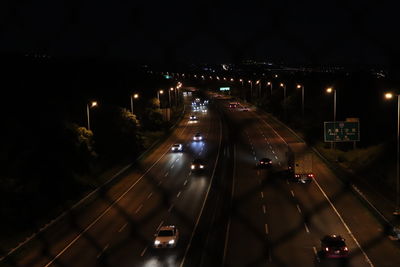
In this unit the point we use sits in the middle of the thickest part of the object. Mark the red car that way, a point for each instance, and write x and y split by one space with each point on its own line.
334 246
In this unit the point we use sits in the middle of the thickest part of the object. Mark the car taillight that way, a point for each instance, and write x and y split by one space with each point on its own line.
326 249
345 249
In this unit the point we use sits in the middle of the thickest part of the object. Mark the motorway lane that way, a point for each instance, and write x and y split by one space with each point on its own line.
362 224
119 218
288 232
136 248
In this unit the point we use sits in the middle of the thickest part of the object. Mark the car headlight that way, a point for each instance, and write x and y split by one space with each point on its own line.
201 166
171 242
192 167
200 137
157 242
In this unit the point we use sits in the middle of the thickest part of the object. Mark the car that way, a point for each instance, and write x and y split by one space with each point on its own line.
197 165
197 137
193 119
177 147
232 105
245 109
166 237
334 246
264 163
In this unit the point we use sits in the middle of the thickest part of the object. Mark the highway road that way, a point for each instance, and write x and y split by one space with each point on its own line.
232 214
275 222
116 226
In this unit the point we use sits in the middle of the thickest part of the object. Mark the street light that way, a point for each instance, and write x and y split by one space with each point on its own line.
251 89
159 92
134 96
270 84
259 88
241 80
92 105
397 209
298 86
329 91
284 98
169 96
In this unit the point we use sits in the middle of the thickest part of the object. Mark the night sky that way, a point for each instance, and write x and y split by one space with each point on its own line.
349 32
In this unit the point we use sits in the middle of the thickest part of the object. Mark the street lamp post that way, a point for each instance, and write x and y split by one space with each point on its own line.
169 96
284 98
251 89
134 96
330 90
241 80
270 85
92 105
302 98
397 209
259 88
159 92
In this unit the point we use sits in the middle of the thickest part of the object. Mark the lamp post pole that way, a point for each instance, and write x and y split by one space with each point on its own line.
397 208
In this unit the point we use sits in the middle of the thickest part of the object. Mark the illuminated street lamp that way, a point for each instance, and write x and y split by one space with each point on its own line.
134 96
251 89
241 80
270 85
284 97
329 91
88 107
259 87
159 92
232 79
301 86
397 209
169 95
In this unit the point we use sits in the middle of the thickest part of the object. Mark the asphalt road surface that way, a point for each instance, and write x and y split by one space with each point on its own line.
231 214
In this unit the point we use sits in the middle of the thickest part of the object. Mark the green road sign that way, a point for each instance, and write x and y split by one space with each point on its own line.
341 131
167 77
224 88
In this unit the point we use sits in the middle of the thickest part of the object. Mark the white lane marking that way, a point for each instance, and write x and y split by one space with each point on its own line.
144 251
171 207
104 249
273 152
298 208
262 194
159 183
270 147
255 158
139 208
279 164
178 194
344 223
199 153
291 191
177 160
185 182
122 228
307 230
276 157
166 174
316 254
208 191
264 209
266 229
337 213
149 196
161 223
105 211
172 166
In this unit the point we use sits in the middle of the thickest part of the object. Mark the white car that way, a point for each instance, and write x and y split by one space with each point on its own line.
166 237
193 119
197 137
177 147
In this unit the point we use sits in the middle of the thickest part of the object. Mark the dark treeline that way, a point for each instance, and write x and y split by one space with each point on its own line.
48 157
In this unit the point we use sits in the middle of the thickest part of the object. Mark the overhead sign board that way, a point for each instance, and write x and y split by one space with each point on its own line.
224 88
341 131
